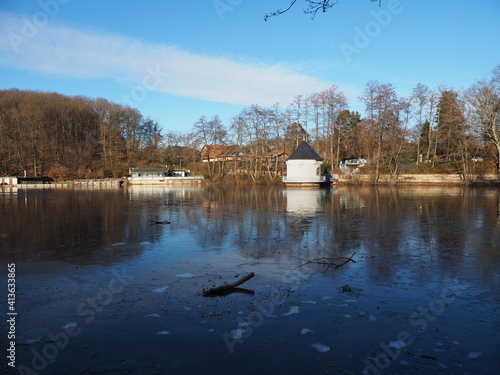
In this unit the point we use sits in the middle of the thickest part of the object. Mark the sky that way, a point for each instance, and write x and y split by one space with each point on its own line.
176 61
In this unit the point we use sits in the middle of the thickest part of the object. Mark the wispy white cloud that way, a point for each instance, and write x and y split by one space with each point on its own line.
83 54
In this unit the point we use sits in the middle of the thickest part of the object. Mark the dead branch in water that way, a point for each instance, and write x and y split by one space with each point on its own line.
158 222
225 287
329 262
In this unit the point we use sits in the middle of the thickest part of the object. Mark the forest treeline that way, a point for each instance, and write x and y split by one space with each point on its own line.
59 136
431 130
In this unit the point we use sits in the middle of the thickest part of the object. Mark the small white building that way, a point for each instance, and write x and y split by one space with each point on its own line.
8 181
155 176
303 167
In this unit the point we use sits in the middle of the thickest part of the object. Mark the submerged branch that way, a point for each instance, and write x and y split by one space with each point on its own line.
158 222
329 262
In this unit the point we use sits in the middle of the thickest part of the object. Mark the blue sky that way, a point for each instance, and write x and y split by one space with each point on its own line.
179 60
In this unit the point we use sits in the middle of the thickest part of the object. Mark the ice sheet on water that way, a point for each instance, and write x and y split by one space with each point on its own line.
243 324
474 355
372 318
293 310
397 344
186 275
160 290
311 302
303 331
144 243
152 316
69 325
237 333
119 244
322 348
347 315
162 332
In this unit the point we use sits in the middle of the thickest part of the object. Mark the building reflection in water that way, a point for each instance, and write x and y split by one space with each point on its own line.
415 231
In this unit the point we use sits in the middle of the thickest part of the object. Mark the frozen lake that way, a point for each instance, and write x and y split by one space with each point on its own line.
101 289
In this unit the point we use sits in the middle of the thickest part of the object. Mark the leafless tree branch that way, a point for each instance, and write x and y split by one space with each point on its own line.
313 7
279 11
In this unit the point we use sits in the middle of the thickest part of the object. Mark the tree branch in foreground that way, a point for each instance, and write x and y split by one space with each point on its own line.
313 7
279 11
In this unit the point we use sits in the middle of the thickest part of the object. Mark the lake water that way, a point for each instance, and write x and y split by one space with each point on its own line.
102 289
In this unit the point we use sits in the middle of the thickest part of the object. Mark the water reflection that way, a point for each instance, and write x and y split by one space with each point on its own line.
411 245
303 201
420 231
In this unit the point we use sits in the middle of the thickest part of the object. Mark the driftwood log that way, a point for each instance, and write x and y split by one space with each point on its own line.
224 288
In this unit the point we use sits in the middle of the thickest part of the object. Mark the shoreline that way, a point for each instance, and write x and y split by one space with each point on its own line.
424 179
357 179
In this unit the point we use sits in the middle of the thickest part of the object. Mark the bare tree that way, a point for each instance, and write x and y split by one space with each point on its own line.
210 133
420 95
315 101
261 132
383 124
335 102
483 99
279 120
299 110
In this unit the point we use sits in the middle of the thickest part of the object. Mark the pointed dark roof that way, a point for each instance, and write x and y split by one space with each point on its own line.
305 152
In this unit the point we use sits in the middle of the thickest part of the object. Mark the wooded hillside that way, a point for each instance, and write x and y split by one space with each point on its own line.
61 137
430 131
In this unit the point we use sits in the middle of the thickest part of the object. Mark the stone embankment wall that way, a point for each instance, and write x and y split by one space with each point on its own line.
426 179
